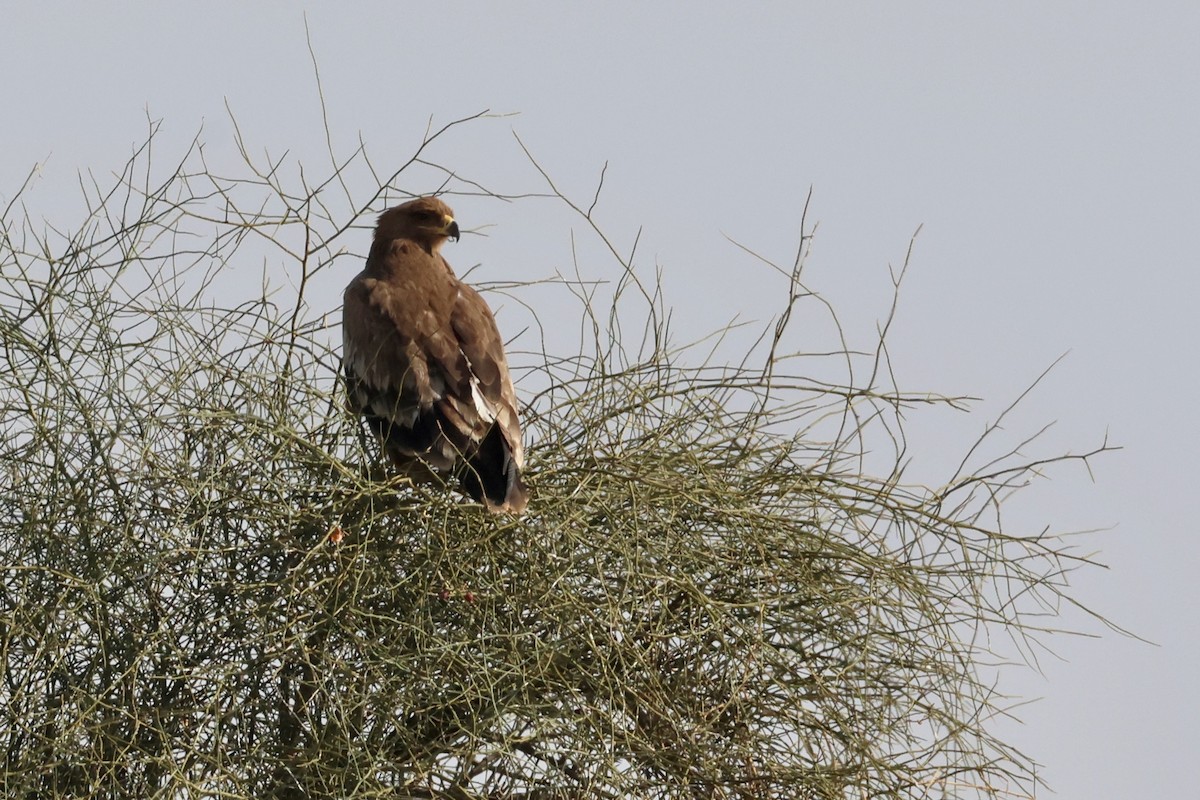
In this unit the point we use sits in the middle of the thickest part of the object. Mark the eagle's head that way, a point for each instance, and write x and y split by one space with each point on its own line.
427 221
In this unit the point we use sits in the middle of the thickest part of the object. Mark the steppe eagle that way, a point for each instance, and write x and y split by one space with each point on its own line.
425 363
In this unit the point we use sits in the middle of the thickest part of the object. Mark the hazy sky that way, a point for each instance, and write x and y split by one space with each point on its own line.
1050 150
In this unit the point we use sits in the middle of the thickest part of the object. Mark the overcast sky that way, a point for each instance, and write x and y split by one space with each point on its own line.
1051 152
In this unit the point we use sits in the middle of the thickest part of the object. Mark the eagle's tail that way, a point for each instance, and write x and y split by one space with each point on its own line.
490 476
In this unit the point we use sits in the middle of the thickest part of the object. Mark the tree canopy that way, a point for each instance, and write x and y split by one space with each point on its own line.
210 586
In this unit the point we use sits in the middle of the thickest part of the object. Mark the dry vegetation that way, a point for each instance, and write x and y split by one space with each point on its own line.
208 589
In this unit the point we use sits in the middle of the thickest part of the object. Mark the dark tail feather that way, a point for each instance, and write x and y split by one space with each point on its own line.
491 477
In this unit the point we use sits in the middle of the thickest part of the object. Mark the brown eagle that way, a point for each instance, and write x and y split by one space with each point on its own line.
425 363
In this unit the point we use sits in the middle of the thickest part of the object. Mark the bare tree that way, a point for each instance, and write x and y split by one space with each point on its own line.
210 587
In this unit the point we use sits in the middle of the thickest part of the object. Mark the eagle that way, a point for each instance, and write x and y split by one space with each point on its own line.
424 362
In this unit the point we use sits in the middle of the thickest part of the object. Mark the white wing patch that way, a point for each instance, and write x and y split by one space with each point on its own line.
482 407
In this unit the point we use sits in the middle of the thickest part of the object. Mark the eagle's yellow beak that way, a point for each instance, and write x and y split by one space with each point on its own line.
450 227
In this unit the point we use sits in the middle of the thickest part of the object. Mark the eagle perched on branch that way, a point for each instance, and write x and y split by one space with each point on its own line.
425 364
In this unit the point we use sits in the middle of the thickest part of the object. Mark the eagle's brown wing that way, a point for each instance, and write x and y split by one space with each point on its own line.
425 366
501 456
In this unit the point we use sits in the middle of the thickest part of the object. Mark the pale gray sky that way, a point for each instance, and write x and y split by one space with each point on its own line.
1051 151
